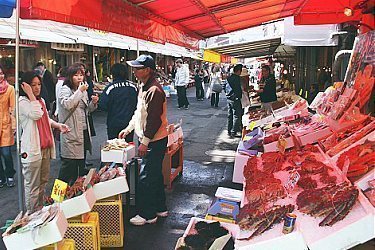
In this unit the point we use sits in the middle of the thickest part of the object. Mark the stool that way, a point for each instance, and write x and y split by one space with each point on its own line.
173 163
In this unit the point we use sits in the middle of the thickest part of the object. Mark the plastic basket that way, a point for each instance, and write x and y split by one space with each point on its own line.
86 235
66 244
111 222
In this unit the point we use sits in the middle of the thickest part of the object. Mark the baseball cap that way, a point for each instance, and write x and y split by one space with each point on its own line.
143 61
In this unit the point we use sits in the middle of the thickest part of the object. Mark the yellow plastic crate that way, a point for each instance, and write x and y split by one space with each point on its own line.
85 234
66 244
111 222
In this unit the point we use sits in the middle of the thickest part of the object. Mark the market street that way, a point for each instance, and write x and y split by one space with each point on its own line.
208 163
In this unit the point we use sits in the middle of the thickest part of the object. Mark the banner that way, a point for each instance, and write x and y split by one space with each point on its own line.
6 8
114 16
211 56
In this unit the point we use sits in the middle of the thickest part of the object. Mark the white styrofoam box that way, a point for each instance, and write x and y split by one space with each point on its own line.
240 161
272 147
51 233
356 228
110 188
79 205
118 156
315 136
173 137
362 183
274 239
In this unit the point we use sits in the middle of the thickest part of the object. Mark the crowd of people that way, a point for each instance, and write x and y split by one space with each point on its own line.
60 112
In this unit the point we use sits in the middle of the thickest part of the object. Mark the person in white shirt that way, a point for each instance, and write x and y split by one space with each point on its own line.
60 80
181 83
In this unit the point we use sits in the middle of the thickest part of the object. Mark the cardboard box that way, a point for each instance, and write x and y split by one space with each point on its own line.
110 188
51 233
118 156
79 205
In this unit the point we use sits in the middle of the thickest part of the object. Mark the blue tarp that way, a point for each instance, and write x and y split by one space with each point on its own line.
6 8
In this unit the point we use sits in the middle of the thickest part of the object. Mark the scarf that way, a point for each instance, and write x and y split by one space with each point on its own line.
3 86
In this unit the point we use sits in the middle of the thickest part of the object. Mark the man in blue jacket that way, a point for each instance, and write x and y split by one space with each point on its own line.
119 99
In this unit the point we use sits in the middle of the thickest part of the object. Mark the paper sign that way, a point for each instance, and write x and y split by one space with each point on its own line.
89 177
251 126
306 95
281 144
220 243
292 180
300 92
59 190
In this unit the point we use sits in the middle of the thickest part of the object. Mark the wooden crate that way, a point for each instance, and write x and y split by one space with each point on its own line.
173 162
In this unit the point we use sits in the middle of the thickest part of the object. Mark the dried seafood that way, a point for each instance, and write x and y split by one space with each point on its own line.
306 182
272 161
115 144
261 222
333 202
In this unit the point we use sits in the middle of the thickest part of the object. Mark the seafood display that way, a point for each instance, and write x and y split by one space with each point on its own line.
358 160
262 221
115 144
109 172
333 202
334 145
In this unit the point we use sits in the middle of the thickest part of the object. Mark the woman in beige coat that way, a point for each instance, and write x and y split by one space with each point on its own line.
74 107
7 129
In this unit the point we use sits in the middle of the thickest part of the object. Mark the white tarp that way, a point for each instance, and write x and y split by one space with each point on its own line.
308 35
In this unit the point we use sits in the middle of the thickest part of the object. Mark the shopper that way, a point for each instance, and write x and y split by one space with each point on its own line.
119 99
215 86
181 83
7 130
234 102
74 106
267 89
198 78
49 83
150 124
37 144
60 80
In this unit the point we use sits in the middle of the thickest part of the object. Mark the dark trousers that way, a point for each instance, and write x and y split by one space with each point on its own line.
113 133
181 97
71 169
199 92
6 171
234 116
215 99
150 191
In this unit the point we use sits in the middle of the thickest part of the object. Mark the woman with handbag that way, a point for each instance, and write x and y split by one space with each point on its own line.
215 86
37 143
74 107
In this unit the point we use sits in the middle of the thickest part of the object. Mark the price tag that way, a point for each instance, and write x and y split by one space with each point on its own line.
292 180
300 92
281 144
251 126
59 190
306 95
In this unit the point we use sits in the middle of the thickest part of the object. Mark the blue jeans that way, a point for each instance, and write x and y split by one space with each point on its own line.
150 195
234 116
9 171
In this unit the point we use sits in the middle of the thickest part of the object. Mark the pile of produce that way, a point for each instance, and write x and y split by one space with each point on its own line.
333 202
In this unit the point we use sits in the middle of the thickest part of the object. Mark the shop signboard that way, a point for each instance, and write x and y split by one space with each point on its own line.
23 43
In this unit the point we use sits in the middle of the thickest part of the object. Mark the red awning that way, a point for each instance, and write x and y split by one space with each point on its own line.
183 22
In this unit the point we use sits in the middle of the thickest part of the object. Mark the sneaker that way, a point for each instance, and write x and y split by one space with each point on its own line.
140 221
2 183
162 214
179 108
187 107
10 182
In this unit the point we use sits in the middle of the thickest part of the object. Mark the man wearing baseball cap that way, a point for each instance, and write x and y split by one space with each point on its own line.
150 124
